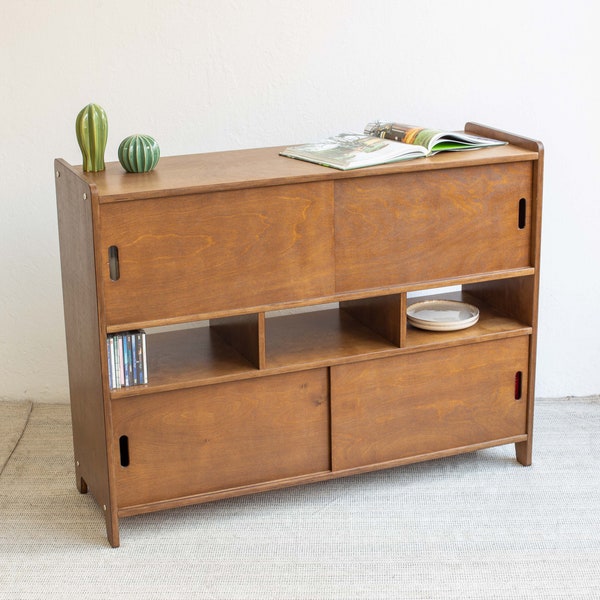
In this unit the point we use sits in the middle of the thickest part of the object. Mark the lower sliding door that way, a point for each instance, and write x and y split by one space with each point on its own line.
430 401
216 437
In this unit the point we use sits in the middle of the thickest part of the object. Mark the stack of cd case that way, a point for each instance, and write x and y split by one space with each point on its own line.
127 364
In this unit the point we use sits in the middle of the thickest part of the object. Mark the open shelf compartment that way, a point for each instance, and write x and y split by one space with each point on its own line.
247 346
492 323
330 335
186 357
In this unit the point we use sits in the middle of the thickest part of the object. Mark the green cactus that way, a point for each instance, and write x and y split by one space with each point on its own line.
91 128
139 153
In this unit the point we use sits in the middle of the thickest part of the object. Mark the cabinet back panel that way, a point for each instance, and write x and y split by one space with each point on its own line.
214 252
412 227
222 436
427 402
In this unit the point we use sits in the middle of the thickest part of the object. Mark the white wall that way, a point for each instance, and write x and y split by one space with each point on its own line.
214 75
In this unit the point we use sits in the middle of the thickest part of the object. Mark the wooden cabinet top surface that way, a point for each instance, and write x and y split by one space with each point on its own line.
238 169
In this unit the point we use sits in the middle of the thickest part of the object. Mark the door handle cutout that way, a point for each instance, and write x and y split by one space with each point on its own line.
113 263
124 450
518 385
522 213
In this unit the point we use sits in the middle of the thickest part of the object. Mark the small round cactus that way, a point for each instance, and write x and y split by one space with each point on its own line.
139 153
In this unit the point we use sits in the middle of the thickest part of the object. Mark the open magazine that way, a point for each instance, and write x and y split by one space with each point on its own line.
434 140
354 150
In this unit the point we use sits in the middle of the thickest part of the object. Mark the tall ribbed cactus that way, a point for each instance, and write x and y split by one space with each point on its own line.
91 128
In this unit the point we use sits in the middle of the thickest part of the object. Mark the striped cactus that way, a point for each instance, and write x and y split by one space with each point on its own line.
139 153
91 128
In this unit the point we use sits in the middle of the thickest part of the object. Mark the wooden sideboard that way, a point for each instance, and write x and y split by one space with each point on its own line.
273 294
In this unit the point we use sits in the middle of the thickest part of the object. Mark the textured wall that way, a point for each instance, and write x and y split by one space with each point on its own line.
203 76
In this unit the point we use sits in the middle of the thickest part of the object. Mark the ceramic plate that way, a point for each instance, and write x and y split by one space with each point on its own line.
442 315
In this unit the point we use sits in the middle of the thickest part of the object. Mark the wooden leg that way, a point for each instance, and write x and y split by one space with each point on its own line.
112 527
111 518
523 452
81 485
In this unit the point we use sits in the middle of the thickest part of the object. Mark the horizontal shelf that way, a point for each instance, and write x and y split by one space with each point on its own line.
197 356
341 297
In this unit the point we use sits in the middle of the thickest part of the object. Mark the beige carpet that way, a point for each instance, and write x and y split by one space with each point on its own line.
477 526
13 419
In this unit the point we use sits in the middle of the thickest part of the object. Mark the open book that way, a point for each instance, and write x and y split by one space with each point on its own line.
434 140
354 150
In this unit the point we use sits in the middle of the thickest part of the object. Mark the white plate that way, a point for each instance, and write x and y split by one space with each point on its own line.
442 315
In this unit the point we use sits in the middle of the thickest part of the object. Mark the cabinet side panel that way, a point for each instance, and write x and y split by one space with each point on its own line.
530 289
82 332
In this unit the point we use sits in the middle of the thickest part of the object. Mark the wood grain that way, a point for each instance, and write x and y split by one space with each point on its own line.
85 360
223 436
424 226
214 252
253 403
426 402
